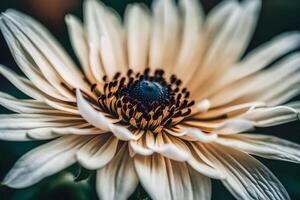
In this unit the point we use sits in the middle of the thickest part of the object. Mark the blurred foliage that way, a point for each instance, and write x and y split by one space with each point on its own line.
277 16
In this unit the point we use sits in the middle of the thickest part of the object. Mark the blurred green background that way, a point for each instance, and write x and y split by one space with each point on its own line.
277 16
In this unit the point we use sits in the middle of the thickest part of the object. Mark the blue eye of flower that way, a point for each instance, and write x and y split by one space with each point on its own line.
148 92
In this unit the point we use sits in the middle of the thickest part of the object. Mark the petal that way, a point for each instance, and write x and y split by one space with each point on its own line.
118 179
79 43
246 178
265 146
21 83
97 152
92 116
98 120
138 25
140 146
44 161
191 48
166 179
165 35
170 147
46 52
199 162
264 117
106 33
234 126
196 134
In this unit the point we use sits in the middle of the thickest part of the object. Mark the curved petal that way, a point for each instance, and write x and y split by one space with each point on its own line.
138 27
246 178
171 147
118 179
166 179
97 152
265 146
44 161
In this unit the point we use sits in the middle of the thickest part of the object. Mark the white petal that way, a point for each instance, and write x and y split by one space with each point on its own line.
44 161
105 32
166 179
265 146
97 152
92 116
118 179
165 35
171 147
247 178
21 83
49 47
123 133
28 65
197 135
141 146
264 117
137 23
201 163
234 126
79 43
191 48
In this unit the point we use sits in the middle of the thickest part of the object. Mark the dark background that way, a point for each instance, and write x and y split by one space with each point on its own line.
277 16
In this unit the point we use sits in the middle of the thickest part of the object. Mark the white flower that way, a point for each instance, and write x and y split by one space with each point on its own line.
162 100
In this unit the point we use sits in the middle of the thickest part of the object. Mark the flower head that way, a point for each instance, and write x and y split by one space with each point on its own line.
164 100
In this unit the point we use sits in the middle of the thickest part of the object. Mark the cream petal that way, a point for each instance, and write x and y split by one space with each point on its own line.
49 47
21 83
64 107
14 135
218 42
229 111
92 116
166 179
44 161
171 147
197 135
235 126
141 145
95 62
246 178
191 45
79 43
265 146
165 35
118 179
97 152
27 66
105 31
256 60
152 173
295 105
123 133
199 162
201 185
138 27
24 106
264 117
99 120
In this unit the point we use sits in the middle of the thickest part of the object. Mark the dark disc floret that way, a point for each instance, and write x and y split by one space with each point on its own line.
146 100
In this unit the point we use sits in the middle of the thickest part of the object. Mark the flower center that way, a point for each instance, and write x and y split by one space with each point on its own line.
145 101
148 92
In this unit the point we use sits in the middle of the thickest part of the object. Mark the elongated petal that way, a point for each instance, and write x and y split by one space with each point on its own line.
118 179
247 178
97 152
44 161
166 179
266 146
138 25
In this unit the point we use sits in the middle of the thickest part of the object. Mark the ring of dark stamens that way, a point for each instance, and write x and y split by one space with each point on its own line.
147 101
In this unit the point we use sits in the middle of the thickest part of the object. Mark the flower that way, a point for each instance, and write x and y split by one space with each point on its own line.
164 100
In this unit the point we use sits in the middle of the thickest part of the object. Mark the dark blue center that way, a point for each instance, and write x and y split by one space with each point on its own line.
148 92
